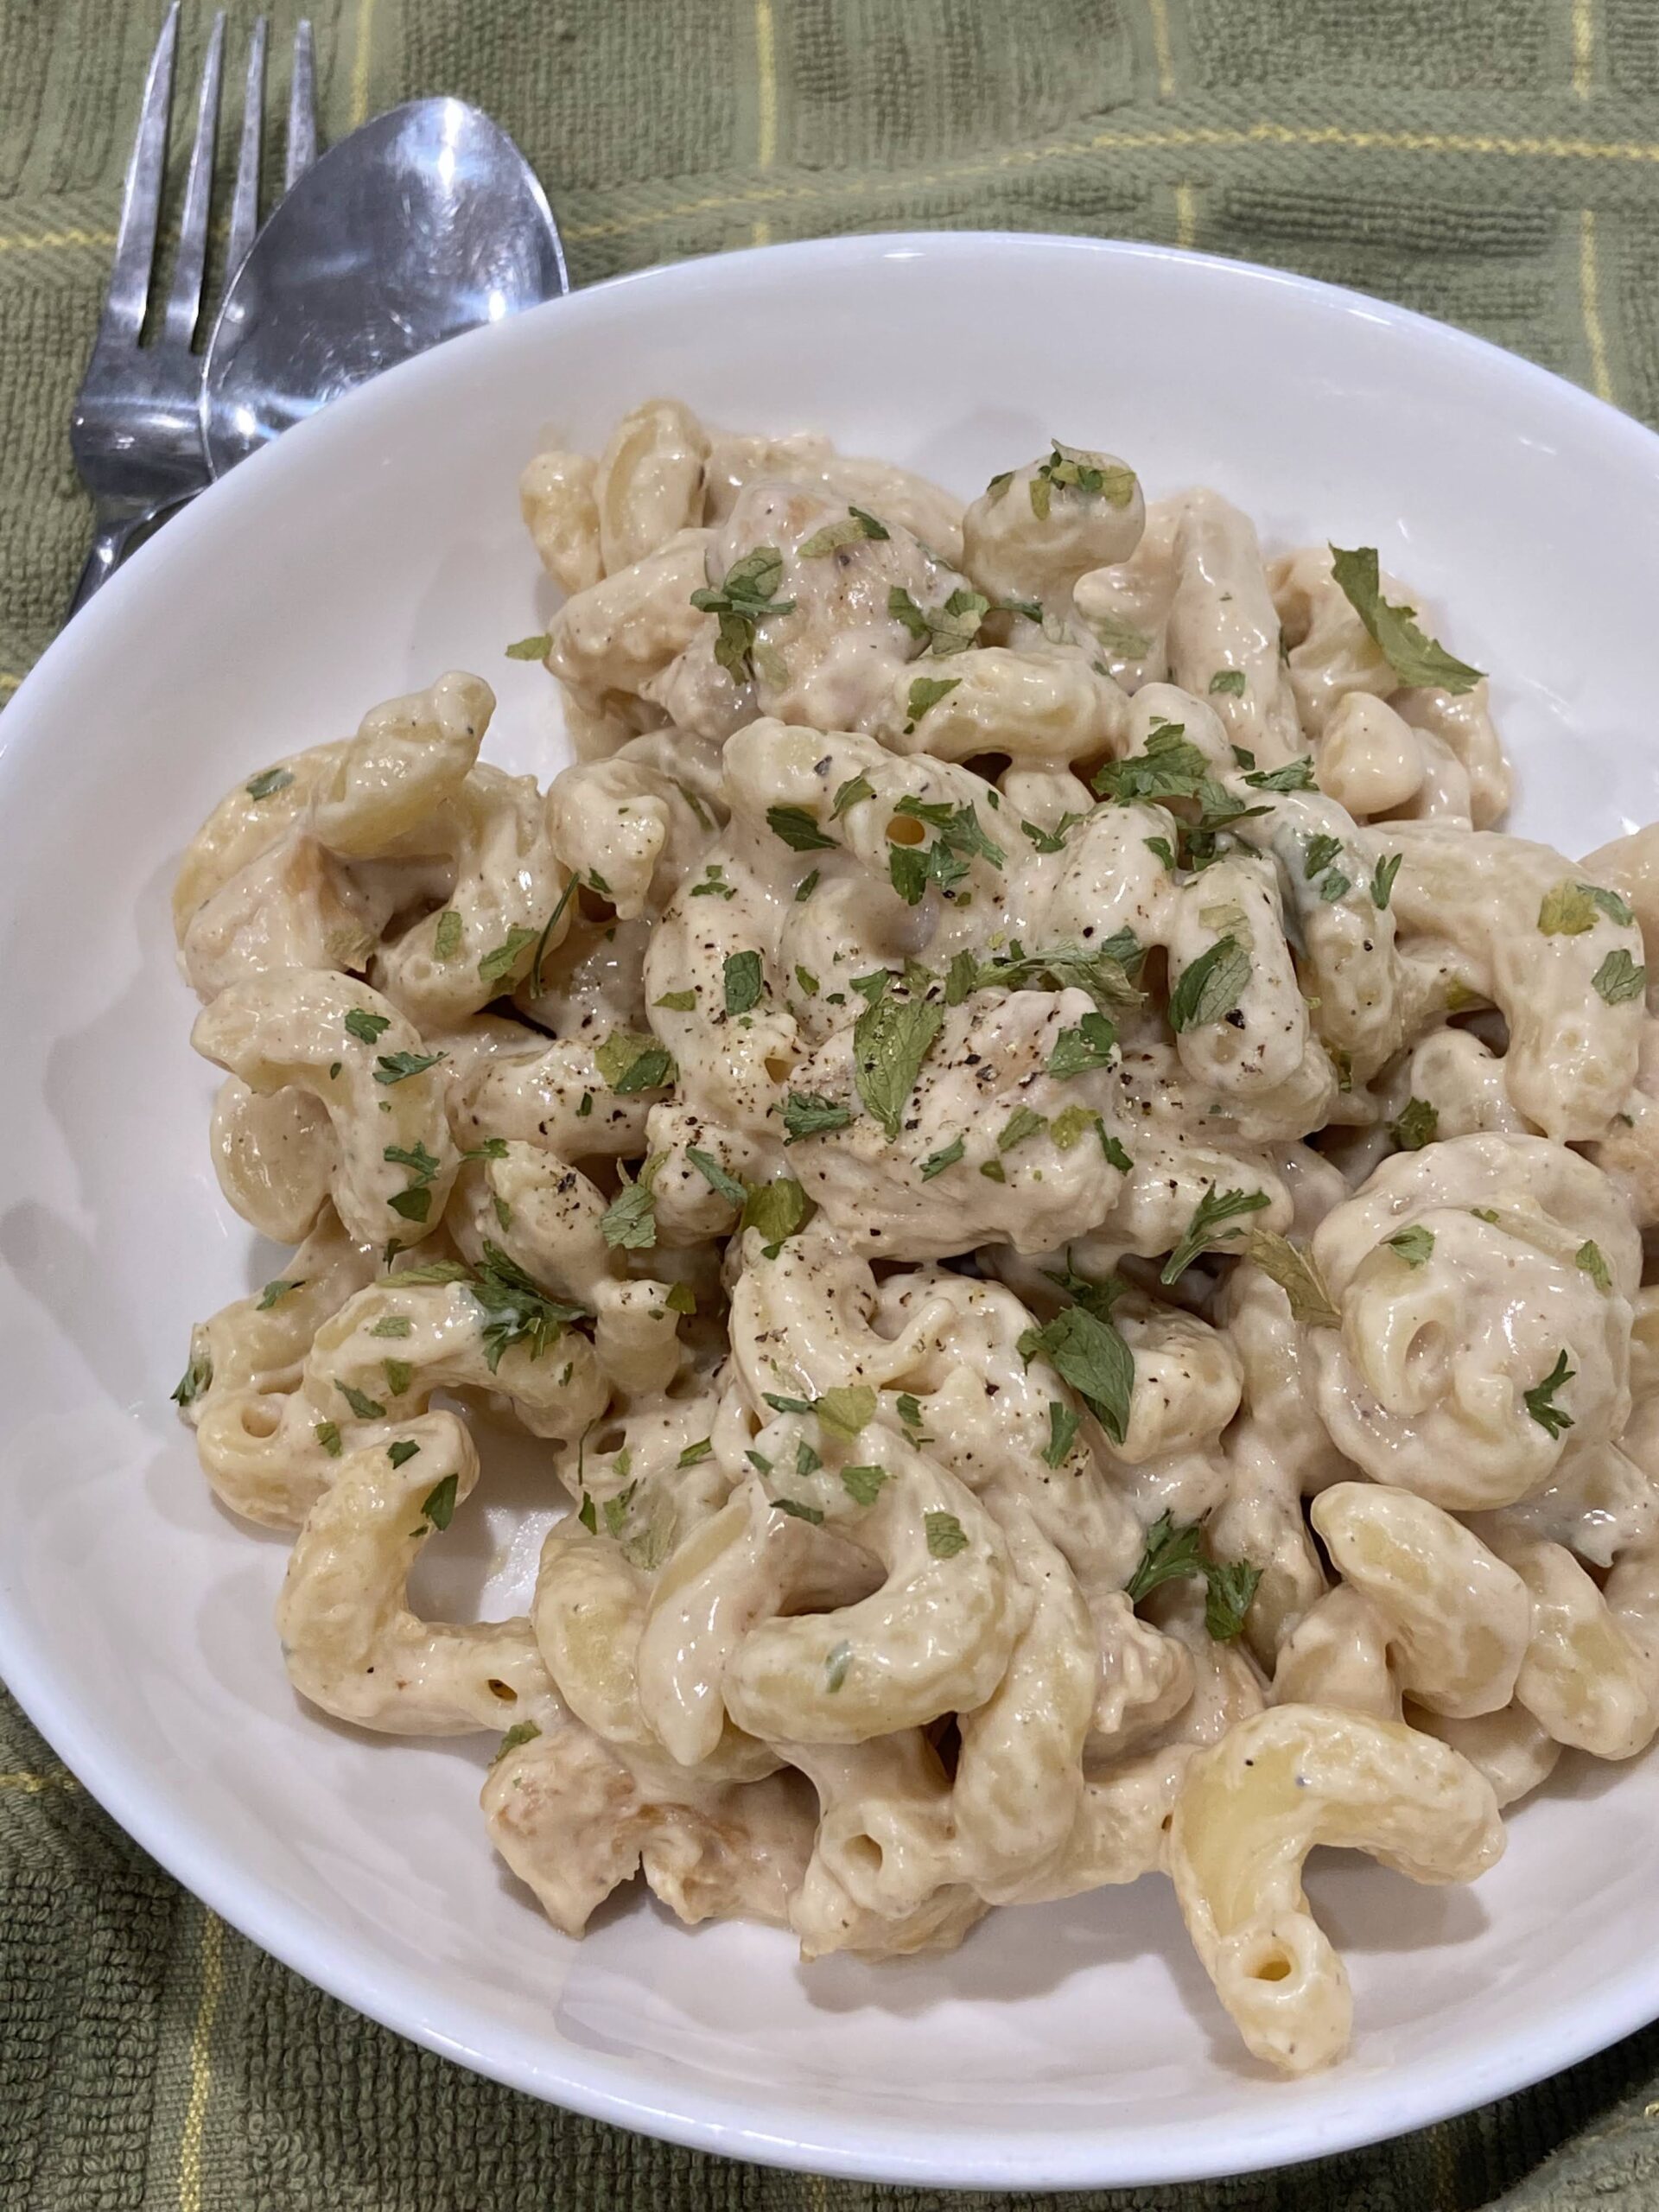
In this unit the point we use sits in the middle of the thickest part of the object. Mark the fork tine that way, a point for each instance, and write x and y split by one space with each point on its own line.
141 195
184 301
244 205
302 109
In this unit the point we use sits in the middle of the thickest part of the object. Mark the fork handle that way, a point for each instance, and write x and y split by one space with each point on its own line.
113 541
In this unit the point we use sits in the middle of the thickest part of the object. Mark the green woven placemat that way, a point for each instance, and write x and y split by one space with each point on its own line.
1494 162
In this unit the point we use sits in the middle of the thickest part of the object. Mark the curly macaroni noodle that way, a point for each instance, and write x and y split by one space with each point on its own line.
1064 1204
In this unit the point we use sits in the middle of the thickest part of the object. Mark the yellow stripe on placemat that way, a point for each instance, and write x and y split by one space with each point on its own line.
766 92
201 2069
43 241
1256 134
1159 12
59 1778
1583 48
360 61
1590 306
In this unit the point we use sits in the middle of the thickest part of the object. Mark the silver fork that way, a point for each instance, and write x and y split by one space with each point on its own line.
135 431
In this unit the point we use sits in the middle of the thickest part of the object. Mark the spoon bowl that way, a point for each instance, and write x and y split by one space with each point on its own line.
426 221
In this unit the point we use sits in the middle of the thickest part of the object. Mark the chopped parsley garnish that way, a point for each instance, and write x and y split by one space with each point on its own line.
1619 978
517 1310
777 1210
497 964
891 1040
926 691
1090 1044
446 938
1211 985
196 1379
1023 1123
849 794
364 1408
1415 658
1382 881
267 782
1172 1553
1416 1124
629 1223
742 982
807 1114
858 527
1069 469
392 1324
1295 775
741 600
520 1733
402 1452
937 1162
949 629
1415 1245
278 1289
1229 682
439 1505
368 1029
1212 1209
1062 1432
631 1063
1088 1351
397 1067
536 648
1294 1272
945 1535
695 1455
835 1663
677 1002
715 1176
327 1435
798 829
1589 1257
1541 1399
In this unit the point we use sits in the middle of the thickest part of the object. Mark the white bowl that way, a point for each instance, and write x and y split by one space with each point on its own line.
378 544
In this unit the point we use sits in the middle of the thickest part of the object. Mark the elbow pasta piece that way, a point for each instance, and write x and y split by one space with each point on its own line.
276 1157
1122 611
1458 1619
1367 757
383 1097
351 1643
1223 619
555 497
1338 1654
1461 723
608 641
573 1821
408 757
879 1881
1249 1811
648 485
1439 1379
292 906
432 1335
1042 710
503 889
1510 1748
893 494
1031 535
634 828
1629 1151
1583 1678
1331 658
1572 1057
1631 867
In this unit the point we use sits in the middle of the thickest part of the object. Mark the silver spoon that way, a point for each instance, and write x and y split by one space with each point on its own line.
426 221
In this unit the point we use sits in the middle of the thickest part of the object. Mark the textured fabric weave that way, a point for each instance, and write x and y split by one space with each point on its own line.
1495 163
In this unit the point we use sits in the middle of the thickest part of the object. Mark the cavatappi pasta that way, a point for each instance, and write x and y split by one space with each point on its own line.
1066 1207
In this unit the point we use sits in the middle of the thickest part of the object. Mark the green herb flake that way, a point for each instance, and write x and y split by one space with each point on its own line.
835 1663
1619 978
945 1534
850 794
695 1455
439 1505
1089 1352
1589 1257
446 937
1062 1432
196 1379
715 1176
397 1067
267 782
847 1409
798 829
937 1162
1415 1245
1022 1125
777 1210
1415 658
402 1452
1296 1274
1539 1399
1212 1209
743 599
808 1114
743 981
368 1029
1382 881
520 1733
364 1407
392 1324
1228 682
631 1063
1295 775
629 1223
1211 985
278 1289
863 1485
891 1040
536 648
812 1513
1416 1124
327 1435
1090 1044
399 1375
925 692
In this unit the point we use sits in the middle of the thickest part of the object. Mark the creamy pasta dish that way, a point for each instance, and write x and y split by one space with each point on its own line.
1063 1203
